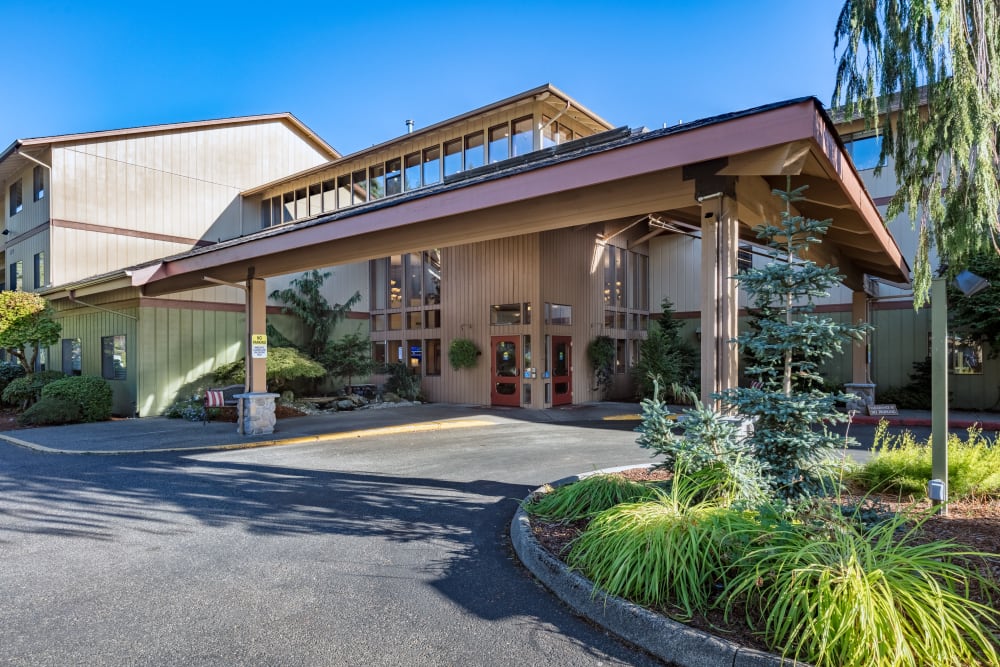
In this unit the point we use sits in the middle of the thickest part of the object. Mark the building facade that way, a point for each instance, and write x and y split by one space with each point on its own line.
530 227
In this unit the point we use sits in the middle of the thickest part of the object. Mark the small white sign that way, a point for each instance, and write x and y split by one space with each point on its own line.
258 351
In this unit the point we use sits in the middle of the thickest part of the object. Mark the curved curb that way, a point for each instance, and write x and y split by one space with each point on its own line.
418 427
668 640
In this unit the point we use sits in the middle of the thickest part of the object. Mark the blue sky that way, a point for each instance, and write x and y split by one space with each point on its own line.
355 71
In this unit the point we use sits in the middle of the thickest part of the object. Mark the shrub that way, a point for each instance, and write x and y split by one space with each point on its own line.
709 448
902 464
588 497
840 594
49 411
402 381
667 358
601 353
25 390
92 394
665 552
10 371
193 410
284 365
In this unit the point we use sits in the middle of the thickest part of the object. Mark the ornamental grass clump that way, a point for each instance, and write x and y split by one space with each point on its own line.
667 552
588 497
902 464
836 594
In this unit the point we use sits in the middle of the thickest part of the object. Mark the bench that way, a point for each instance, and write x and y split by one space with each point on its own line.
221 397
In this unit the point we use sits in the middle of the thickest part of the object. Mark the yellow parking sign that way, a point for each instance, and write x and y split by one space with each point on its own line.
258 346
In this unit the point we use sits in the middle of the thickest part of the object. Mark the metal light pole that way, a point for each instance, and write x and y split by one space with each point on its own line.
969 283
937 490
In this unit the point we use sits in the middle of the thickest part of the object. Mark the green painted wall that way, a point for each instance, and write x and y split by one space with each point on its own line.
179 349
89 325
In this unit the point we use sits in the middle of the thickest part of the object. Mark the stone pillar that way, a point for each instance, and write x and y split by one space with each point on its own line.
719 301
255 413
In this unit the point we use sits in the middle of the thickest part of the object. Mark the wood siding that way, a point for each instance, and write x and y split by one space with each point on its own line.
180 183
90 326
179 350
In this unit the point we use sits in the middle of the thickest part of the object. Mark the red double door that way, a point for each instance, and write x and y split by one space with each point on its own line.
507 373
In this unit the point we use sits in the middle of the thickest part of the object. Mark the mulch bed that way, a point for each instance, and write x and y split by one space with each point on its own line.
974 523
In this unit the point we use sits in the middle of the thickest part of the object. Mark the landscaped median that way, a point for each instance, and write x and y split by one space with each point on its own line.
669 640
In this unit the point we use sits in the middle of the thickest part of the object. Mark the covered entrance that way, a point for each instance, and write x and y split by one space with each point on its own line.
562 370
506 380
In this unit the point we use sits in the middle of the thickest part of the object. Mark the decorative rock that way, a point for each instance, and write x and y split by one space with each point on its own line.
345 404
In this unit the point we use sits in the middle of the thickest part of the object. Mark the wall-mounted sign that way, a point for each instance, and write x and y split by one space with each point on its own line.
258 346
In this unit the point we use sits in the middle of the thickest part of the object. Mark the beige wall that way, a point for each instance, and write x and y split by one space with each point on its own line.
182 185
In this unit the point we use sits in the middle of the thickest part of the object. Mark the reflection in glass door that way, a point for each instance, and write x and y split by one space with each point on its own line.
506 380
562 370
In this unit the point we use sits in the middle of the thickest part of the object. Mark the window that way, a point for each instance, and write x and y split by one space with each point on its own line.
72 358
414 279
432 277
432 356
505 313
315 199
113 362
614 277
865 151
621 345
376 182
378 352
548 132
522 142
301 203
744 259
557 313
965 356
276 210
288 207
416 356
16 204
396 281
393 177
344 191
39 269
432 165
452 157
265 214
499 143
329 195
411 171
16 277
38 179
474 151
359 187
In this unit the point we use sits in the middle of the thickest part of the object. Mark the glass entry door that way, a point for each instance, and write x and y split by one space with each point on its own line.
562 370
506 379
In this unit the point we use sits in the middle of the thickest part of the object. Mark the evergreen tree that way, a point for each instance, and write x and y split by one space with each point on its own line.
665 356
786 347
929 69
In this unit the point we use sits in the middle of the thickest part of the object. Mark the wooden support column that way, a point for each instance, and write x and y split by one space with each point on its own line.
719 306
859 351
256 316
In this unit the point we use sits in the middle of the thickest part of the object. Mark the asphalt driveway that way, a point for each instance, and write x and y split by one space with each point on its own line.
377 550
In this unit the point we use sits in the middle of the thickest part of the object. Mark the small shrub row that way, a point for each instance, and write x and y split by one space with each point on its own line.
902 464
58 399
819 587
